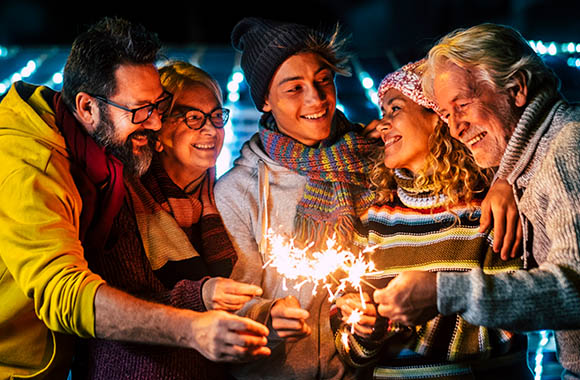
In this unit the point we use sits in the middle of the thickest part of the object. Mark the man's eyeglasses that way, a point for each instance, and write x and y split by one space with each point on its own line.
195 119
141 114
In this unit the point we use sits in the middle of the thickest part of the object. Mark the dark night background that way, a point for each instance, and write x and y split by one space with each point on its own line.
384 35
376 26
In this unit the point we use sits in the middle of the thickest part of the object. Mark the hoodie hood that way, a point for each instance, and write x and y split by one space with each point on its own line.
27 111
252 153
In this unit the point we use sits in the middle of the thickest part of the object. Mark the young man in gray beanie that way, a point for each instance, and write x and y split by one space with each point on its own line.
279 182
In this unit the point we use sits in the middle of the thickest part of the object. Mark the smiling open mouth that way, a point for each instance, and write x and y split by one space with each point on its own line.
315 116
476 139
204 146
140 139
391 140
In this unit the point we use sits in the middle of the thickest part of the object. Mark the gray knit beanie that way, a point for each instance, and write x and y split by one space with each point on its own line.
265 45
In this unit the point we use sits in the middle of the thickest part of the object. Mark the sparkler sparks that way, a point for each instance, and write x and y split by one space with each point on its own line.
353 319
301 265
319 266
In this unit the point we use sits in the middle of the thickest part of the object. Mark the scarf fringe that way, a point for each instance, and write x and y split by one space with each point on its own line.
308 230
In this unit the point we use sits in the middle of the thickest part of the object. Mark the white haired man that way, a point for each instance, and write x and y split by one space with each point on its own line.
504 104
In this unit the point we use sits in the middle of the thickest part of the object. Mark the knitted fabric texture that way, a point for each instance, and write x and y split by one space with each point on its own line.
410 196
408 80
431 238
125 266
265 45
169 223
337 189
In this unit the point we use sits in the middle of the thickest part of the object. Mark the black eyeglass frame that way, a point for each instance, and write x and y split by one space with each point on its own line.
206 116
153 106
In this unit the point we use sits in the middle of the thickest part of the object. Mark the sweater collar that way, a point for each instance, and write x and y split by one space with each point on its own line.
414 196
533 123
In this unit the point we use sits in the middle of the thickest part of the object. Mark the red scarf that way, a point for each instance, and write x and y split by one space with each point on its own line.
98 176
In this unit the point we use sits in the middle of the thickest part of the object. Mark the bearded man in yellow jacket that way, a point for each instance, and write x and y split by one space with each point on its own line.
63 158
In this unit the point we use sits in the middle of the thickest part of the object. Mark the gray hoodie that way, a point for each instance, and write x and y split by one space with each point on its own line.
255 194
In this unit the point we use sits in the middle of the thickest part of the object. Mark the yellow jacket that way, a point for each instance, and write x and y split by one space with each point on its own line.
46 288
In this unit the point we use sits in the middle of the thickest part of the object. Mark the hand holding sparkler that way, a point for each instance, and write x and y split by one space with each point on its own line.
318 267
361 317
289 320
226 294
410 298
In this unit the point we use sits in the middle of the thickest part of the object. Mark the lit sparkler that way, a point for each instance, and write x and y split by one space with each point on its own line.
318 267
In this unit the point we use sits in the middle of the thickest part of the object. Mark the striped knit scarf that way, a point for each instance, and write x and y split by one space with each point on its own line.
173 231
337 188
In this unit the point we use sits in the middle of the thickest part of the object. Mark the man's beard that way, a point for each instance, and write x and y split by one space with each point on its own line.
133 164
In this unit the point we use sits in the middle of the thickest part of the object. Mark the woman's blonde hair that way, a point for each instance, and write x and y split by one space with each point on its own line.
177 75
449 170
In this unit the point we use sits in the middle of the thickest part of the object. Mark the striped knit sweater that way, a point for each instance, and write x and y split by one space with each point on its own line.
542 162
416 232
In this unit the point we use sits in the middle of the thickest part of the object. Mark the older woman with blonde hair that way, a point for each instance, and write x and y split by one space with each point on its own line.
176 250
427 218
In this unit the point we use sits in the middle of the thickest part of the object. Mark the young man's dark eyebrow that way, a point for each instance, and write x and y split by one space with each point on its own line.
290 79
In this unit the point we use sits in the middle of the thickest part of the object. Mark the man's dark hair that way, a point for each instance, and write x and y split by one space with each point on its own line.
97 53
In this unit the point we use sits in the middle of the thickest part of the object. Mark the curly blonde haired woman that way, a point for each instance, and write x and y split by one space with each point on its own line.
430 192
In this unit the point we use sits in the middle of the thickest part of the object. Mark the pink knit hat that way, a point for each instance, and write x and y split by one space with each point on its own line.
408 80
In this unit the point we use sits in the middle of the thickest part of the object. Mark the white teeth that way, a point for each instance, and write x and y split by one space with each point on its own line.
315 115
392 140
201 146
476 138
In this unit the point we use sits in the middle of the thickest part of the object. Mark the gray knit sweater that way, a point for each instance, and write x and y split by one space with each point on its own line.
245 203
542 162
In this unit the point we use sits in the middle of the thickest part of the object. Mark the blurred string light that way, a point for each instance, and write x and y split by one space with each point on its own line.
573 62
7 52
539 357
55 80
555 48
367 83
25 72
233 87
234 83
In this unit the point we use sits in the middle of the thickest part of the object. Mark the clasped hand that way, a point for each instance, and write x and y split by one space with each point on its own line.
289 319
225 337
226 294
351 302
409 299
